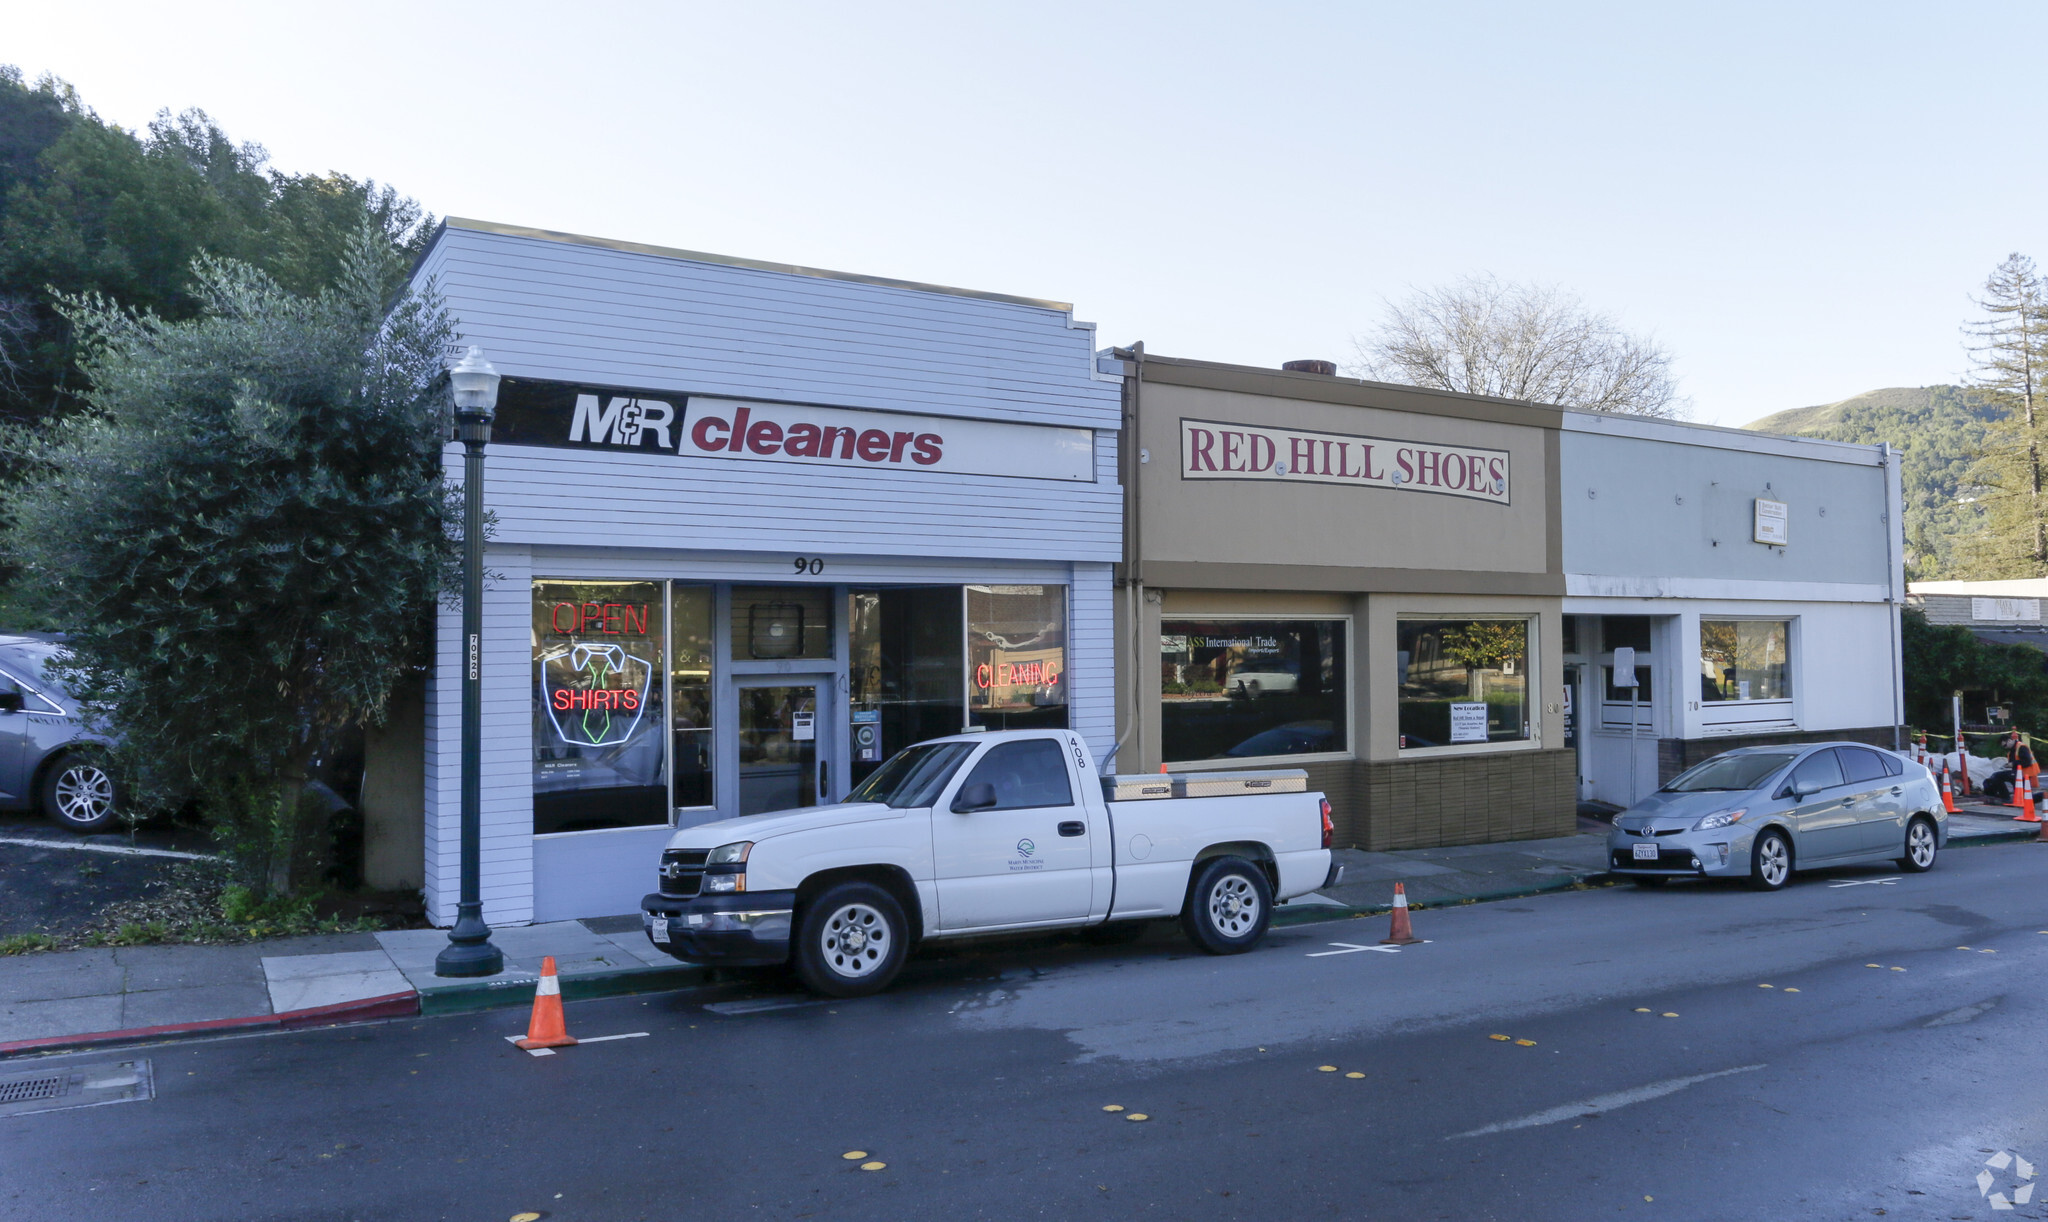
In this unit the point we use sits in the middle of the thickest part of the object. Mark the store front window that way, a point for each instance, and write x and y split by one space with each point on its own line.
689 667
598 758
773 622
905 682
1463 682
1745 660
1017 657
1249 689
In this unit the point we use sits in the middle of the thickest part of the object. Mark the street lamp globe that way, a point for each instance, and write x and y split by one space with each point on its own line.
475 384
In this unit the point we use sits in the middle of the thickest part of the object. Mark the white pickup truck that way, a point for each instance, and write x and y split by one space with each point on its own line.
988 833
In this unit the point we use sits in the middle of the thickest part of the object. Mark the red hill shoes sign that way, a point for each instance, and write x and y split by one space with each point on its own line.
1209 450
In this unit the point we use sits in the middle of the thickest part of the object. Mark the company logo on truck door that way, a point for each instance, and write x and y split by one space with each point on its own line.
698 428
1211 450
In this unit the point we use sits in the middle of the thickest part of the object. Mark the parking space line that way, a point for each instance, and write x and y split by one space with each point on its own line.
1352 948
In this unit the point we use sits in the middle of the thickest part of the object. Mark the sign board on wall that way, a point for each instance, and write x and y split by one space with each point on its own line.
2023 610
1212 450
572 417
1773 523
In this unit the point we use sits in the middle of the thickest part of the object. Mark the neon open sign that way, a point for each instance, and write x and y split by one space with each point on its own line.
611 619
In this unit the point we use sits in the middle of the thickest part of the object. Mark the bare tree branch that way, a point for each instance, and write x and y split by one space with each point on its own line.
1483 336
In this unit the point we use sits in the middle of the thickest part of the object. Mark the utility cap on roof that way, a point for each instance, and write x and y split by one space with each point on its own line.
1327 368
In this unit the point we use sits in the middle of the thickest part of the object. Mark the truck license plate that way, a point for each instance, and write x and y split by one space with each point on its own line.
660 927
1646 852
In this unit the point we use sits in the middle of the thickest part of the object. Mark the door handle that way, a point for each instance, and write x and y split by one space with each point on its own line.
1073 827
824 775
1897 791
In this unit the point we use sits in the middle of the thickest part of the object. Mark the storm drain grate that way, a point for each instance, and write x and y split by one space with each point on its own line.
23 1089
80 1085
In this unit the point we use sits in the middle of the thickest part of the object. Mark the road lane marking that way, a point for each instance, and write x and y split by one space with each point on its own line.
1862 882
1963 1015
121 850
588 1039
761 1005
1603 1103
1352 948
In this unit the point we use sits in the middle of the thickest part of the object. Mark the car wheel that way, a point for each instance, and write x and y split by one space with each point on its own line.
1228 907
851 941
1770 862
1920 846
79 793
1650 880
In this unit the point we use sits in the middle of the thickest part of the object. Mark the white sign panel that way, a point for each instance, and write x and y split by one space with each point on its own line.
2026 610
1211 450
1468 722
1773 526
1625 667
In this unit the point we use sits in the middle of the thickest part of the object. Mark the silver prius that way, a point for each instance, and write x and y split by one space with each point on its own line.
1762 812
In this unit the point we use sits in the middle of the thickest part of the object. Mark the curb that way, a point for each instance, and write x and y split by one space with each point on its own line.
1321 913
586 986
391 1005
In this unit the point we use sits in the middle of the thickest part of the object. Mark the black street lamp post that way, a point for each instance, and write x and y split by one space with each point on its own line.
469 951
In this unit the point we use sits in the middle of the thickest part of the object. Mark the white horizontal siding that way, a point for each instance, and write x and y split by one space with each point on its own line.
1091 658
550 496
587 314
506 759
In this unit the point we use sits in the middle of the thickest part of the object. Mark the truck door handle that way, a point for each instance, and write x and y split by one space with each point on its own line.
1073 827
1896 790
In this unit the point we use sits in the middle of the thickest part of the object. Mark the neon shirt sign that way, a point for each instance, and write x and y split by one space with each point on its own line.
596 694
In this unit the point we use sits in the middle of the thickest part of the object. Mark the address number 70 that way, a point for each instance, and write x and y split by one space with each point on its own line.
812 565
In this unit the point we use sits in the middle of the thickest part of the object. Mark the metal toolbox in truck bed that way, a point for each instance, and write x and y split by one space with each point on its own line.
1140 787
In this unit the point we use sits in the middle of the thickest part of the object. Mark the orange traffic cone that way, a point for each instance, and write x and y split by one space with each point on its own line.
1948 797
1401 934
2023 797
547 1029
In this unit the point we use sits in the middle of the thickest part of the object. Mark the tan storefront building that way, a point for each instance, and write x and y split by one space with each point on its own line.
1358 579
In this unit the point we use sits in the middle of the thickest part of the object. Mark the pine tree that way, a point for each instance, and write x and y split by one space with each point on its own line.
2009 346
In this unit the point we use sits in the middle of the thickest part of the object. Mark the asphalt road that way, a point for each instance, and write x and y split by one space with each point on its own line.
1662 1081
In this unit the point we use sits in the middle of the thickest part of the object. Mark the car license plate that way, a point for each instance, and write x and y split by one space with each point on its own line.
1646 852
659 927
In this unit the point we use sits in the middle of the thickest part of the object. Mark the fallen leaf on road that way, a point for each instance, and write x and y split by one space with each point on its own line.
1112 1107
1791 990
1499 1037
851 1155
526 1217
1525 1043
1137 1116
872 1166
1354 1074
1670 1014
1326 1069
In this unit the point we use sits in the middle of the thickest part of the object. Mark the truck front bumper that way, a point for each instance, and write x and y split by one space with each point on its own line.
750 928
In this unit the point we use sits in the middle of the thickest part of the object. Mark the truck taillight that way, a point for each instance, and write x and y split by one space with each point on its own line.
1329 828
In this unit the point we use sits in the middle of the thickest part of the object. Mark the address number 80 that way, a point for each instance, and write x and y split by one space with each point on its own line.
813 565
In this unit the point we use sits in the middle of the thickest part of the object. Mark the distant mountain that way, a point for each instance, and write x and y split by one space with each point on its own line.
1938 430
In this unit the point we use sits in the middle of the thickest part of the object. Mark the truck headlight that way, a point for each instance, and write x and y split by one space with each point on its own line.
1720 818
725 870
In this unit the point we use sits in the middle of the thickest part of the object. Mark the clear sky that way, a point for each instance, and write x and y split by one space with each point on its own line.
1797 199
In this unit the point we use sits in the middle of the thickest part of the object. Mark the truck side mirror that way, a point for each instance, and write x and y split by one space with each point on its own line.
981 796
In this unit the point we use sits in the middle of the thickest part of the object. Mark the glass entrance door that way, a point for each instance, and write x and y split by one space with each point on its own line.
780 729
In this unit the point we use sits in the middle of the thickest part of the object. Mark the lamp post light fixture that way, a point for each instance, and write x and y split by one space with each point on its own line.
475 385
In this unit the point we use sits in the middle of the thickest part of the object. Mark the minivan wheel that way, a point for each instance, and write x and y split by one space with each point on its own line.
79 793
851 941
1228 907
1770 862
1920 846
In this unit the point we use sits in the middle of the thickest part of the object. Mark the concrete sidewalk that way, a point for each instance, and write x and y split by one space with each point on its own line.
67 998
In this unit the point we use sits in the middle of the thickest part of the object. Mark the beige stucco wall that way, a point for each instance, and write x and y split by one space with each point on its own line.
1280 522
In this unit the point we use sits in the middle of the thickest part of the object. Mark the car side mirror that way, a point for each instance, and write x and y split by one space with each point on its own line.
10 702
1796 790
975 797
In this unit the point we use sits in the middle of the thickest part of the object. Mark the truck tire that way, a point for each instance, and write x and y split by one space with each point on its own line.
851 941
1228 907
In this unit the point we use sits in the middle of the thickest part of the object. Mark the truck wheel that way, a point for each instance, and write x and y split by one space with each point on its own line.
851 941
1229 906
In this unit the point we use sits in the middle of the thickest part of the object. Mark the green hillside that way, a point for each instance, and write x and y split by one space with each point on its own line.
1937 429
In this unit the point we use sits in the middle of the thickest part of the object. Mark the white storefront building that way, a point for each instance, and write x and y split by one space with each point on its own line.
1757 578
756 527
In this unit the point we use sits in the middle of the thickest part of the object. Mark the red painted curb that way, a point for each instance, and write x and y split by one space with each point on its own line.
390 1005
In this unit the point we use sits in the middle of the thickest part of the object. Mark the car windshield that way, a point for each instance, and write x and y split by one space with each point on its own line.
1734 772
913 776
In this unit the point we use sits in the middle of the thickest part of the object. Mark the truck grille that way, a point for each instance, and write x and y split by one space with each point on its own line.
682 872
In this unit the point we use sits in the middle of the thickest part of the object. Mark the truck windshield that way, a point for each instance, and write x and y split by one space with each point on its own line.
913 776
1729 772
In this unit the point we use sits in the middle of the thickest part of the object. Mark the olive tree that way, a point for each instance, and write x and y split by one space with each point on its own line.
243 533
